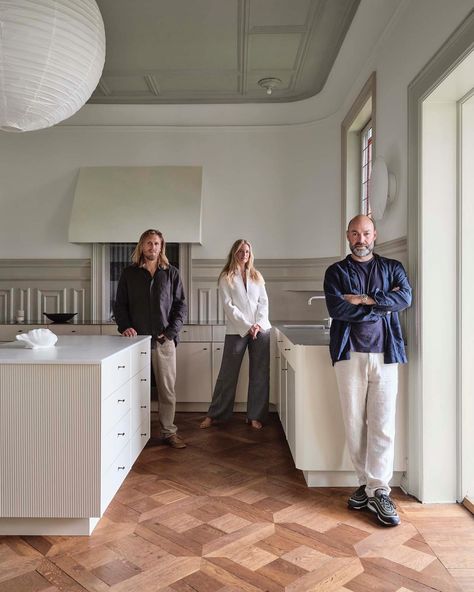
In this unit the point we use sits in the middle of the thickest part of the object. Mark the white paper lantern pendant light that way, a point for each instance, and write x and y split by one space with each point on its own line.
52 54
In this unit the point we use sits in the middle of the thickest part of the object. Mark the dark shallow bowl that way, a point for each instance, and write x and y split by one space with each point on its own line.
60 317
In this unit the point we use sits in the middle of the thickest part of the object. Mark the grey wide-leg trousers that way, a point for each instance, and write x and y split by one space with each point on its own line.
259 376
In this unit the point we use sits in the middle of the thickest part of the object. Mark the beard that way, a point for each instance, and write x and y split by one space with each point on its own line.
362 250
150 256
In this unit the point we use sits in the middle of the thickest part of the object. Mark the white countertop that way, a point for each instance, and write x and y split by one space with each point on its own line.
69 349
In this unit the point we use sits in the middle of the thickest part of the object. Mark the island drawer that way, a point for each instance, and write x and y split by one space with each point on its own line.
115 406
140 404
140 357
116 370
139 440
114 440
114 475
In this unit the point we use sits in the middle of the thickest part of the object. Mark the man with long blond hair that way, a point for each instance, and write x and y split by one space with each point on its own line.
150 301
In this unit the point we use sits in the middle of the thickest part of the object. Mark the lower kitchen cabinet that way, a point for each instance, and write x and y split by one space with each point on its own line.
194 372
310 414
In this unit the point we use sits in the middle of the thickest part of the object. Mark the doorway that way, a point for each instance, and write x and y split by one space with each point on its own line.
440 323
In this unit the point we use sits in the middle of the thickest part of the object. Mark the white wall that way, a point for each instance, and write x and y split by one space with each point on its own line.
278 184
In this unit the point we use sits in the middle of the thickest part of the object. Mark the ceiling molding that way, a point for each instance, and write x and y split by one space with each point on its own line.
216 52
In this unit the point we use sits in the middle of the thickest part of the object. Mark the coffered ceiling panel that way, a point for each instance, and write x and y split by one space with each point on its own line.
275 13
214 51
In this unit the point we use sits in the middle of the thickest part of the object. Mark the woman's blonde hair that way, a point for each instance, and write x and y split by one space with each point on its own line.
137 255
231 268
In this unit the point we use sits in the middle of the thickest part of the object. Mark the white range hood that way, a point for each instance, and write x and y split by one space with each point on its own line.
116 204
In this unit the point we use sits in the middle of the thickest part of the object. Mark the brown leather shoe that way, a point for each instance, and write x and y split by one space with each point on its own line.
175 441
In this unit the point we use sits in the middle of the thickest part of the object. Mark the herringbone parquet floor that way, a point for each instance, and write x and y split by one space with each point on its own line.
231 513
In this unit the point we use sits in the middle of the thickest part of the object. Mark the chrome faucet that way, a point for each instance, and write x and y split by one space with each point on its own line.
315 298
328 320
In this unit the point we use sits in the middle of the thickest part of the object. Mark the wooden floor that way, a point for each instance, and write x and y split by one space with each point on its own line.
231 513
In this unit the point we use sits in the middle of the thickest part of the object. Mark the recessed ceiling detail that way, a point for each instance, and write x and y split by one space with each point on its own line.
217 51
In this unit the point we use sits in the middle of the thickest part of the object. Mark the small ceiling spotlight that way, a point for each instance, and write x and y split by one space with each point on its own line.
269 84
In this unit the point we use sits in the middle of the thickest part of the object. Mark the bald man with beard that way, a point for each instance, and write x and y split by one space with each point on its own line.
364 294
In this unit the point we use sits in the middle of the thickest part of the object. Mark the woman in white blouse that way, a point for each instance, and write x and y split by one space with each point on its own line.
242 290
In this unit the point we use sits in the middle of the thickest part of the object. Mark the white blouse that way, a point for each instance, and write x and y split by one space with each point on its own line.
244 307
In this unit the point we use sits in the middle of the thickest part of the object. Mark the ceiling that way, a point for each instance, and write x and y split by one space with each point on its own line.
216 51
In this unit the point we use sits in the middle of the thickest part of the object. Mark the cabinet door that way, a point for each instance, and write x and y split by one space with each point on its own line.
291 408
193 372
283 394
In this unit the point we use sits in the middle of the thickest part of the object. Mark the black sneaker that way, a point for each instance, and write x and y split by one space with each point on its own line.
358 499
384 508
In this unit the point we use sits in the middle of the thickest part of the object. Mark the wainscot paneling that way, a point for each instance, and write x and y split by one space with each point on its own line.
64 285
39 285
289 283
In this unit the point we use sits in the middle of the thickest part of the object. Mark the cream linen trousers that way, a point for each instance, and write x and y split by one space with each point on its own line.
368 393
163 361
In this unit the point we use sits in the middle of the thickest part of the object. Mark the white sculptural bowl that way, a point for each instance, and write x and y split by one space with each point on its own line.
38 338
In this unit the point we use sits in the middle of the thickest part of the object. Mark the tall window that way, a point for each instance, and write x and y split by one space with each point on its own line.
366 167
358 143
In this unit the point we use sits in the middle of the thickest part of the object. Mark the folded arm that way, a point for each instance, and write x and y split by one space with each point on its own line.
398 297
341 308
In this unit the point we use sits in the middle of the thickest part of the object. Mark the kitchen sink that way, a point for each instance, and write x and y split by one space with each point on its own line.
303 327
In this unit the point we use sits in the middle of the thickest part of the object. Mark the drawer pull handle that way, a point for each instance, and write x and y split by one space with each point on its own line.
284 369
143 379
142 406
121 434
185 330
204 349
279 340
218 349
73 330
120 468
118 367
287 348
143 434
143 353
120 400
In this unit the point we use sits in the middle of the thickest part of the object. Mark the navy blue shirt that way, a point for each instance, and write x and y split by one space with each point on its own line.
368 336
342 278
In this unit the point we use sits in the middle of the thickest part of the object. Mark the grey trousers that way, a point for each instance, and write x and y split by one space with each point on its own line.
259 376
163 361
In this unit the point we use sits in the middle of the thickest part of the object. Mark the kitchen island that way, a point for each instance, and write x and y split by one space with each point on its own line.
308 406
73 420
